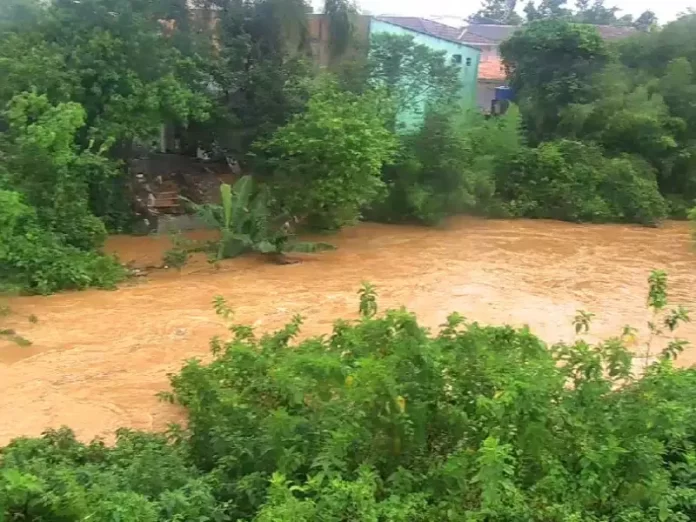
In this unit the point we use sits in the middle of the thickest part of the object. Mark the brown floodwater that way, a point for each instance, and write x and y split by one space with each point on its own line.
98 358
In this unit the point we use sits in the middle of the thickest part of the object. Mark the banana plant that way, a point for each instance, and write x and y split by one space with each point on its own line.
245 223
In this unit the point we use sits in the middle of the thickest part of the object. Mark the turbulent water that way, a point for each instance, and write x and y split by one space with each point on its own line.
98 358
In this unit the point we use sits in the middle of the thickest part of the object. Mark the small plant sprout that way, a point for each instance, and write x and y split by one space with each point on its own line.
368 300
179 254
222 308
582 321
663 323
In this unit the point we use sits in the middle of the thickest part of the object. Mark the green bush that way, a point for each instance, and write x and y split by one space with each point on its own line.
382 420
180 252
142 478
327 161
43 162
36 260
448 166
385 420
574 181
49 237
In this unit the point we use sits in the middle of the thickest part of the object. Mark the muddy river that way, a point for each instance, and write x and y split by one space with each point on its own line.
98 358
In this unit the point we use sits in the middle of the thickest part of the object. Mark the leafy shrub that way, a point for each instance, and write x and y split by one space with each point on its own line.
385 420
142 478
43 162
179 254
574 181
36 260
327 161
631 191
49 236
448 166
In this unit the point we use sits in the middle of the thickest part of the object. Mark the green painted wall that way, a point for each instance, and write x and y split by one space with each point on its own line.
468 73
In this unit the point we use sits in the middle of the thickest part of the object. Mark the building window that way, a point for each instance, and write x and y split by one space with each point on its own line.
457 58
468 61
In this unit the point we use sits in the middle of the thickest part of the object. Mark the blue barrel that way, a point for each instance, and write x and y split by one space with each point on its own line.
503 94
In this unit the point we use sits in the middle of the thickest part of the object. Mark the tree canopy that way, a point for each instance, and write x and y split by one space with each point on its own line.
497 12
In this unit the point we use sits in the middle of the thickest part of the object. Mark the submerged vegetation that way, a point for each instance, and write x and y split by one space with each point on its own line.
386 420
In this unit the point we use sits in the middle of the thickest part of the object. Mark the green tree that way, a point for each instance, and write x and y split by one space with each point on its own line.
340 14
448 166
260 75
50 234
551 64
116 60
327 161
599 14
646 21
497 12
547 9
44 163
663 61
411 73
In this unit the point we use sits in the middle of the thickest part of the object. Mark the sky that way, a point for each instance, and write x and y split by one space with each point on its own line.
666 10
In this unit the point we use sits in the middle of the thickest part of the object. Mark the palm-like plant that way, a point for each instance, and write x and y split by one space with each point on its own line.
246 224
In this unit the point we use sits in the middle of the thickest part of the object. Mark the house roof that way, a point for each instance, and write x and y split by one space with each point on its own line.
474 39
427 27
497 33
491 33
480 35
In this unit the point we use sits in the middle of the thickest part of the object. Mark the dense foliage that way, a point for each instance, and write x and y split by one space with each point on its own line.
574 181
601 132
449 166
384 420
48 232
82 84
327 161
627 102
593 12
